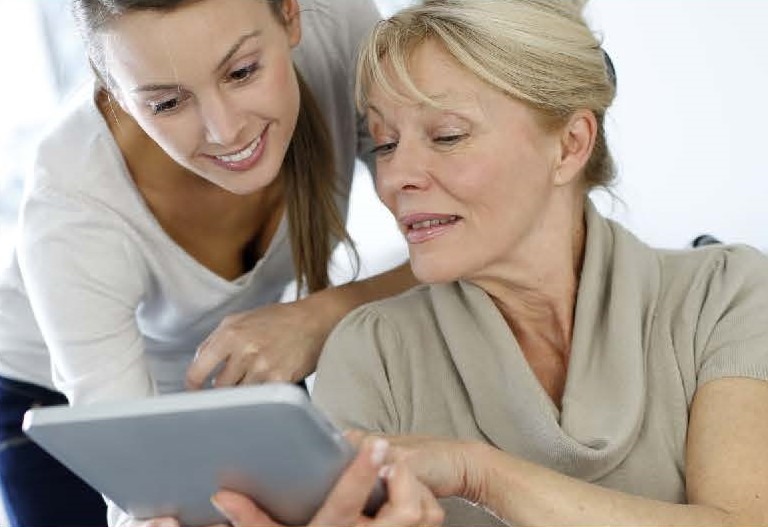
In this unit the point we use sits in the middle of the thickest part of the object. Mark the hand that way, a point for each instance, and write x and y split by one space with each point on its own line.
279 342
446 466
408 502
127 521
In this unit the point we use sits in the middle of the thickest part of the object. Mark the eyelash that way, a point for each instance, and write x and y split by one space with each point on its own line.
450 139
167 105
240 75
383 149
445 140
248 72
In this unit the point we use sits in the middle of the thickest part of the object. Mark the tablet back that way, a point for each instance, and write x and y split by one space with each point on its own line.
166 455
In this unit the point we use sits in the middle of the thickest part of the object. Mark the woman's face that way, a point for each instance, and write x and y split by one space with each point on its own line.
213 83
470 183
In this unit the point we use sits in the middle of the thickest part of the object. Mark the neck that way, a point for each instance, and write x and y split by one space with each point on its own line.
536 291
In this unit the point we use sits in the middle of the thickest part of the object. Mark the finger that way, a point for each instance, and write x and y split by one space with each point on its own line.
206 360
258 370
433 512
233 371
240 510
346 501
355 437
409 502
157 522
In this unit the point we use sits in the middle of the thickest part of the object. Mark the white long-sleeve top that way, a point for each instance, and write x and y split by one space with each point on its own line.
99 302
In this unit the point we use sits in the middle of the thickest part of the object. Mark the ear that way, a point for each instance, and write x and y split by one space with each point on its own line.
577 140
292 19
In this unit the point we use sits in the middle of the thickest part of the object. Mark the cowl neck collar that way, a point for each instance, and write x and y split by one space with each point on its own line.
603 404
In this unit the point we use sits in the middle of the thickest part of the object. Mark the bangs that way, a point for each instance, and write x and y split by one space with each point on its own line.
384 62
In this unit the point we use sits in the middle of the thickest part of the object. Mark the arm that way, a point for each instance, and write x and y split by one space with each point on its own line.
255 345
84 287
726 472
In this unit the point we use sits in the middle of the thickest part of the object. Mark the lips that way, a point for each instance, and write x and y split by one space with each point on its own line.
243 159
243 154
423 227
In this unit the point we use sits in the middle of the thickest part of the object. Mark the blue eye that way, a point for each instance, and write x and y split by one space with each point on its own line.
384 149
243 74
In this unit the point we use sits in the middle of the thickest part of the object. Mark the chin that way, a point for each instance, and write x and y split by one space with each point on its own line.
428 273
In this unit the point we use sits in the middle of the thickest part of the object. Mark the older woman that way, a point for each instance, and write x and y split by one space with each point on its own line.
554 369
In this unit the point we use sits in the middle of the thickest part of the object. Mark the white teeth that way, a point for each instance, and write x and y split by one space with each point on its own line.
426 224
241 155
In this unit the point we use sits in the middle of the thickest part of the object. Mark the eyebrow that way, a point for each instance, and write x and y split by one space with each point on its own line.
242 40
234 49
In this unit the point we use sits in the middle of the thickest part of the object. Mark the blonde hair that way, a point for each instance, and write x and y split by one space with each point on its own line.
540 52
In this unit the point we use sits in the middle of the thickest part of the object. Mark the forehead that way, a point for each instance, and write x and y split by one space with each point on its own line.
147 42
431 80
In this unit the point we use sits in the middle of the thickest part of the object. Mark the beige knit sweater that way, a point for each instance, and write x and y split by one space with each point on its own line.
651 326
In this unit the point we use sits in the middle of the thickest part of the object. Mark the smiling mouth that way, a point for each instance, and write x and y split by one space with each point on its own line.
243 154
432 223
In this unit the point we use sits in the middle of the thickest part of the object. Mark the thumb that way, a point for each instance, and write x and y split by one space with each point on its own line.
240 510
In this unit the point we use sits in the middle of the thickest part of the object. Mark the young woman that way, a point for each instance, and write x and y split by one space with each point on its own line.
169 209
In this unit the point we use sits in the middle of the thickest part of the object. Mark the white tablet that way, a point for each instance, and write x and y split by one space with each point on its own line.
167 455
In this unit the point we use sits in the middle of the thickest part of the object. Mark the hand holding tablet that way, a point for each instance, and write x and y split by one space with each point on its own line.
167 455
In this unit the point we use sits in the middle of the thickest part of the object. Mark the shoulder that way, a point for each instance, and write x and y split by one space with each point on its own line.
719 273
716 299
391 315
415 319
386 323
346 20
75 147
333 29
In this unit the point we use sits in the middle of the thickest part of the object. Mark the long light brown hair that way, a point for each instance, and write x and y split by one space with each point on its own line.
308 170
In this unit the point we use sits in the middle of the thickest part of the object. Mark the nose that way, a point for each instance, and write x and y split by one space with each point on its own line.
222 120
406 169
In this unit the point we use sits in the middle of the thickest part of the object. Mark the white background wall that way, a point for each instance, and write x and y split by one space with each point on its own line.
688 126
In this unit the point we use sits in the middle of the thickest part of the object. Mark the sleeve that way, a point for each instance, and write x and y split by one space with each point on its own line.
732 331
352 384
84 284
362 16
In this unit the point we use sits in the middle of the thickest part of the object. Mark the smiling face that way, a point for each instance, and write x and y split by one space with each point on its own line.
473 183
212 82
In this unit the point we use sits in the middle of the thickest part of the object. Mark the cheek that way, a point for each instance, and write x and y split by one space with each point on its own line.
284 86
384 192
175 135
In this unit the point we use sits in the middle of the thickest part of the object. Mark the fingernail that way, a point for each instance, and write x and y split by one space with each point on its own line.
380 447
386 471
221 507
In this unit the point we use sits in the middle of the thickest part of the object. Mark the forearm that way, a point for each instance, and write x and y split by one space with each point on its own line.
335 302
527 494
